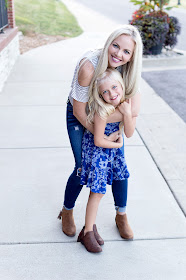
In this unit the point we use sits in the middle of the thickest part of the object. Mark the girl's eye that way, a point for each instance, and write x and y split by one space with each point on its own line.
127 52
114 87
105 91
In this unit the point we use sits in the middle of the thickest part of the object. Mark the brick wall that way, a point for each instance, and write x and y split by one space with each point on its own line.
9 46
11 14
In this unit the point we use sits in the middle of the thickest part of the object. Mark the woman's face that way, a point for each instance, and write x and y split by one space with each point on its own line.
111 91
120 51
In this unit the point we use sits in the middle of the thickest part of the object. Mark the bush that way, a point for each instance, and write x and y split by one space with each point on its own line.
155 25
174 30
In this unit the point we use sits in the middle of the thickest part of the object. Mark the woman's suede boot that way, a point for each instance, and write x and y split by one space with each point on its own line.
89 241
123 227
68 225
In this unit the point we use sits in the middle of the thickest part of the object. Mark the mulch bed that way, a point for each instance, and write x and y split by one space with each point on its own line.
33 40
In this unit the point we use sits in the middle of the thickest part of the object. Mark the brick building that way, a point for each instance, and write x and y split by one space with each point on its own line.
9 42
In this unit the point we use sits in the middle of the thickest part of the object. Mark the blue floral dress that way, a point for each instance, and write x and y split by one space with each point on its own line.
100 166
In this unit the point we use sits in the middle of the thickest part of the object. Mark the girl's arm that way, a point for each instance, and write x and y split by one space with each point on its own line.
99 139
128 120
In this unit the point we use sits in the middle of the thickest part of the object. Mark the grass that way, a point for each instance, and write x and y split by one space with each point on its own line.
50 17
175 2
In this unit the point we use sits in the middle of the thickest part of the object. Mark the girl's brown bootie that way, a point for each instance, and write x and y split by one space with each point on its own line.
97 236
89 241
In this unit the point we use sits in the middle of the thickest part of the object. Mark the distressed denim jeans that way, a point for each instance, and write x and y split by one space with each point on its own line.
73 187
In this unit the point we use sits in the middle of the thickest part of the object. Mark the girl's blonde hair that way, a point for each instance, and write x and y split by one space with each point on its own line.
131 71
99 105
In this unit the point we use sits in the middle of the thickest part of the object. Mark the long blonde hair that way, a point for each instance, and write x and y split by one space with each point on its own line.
99 105
131 71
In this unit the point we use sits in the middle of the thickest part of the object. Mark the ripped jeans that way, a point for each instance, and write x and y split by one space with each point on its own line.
73 187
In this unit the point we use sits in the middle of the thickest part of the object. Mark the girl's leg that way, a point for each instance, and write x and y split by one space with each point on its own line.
88 235
73 187
119 190
91 210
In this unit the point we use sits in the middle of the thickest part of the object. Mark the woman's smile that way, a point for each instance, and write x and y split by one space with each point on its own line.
115 59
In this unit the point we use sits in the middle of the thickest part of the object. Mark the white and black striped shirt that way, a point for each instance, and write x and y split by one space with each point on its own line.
79 92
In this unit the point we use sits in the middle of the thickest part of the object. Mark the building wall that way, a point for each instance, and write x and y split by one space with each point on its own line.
9 48
8 57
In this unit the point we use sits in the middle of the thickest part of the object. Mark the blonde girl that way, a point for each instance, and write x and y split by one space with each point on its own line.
102 160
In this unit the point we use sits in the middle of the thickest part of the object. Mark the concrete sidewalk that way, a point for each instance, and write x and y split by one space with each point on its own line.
36 160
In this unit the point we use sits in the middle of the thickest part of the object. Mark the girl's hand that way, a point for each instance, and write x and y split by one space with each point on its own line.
113 137
125 108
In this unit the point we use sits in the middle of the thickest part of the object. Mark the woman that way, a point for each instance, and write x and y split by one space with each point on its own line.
123 51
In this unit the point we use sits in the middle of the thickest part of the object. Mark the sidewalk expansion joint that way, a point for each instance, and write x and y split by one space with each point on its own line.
35 105
35 148
179 204
56 147
72 242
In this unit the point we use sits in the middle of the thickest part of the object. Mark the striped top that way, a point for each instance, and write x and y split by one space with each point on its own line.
79 92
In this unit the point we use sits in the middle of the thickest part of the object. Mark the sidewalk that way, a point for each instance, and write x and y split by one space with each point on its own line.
36 160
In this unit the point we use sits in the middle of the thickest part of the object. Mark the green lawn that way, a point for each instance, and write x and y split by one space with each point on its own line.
50 17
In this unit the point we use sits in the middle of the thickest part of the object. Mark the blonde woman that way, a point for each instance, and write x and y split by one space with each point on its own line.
102 160
122 51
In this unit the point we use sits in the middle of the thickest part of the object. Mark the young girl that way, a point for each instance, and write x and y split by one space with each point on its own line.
102 160
123 51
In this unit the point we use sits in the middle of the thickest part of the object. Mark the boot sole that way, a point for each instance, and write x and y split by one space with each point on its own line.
69 235
126 239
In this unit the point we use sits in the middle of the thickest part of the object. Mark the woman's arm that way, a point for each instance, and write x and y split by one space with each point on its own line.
135 104
99 139
85 75
80 113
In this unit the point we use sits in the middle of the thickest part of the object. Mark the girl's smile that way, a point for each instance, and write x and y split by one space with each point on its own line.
111 91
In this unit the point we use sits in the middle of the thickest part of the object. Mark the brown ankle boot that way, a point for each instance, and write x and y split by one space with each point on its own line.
123 227
99 240
68 225
97 236
89 241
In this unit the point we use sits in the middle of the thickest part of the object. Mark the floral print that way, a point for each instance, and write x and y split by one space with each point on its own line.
100 166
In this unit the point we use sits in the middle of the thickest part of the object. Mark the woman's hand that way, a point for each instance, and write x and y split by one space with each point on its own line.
113 137
120 141
125 108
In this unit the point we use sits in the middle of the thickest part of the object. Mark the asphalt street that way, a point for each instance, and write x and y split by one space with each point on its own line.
163 82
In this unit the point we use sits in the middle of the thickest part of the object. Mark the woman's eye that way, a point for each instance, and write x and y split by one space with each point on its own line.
114 87
115 45
105 91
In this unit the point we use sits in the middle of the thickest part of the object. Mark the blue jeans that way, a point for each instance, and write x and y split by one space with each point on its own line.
73 187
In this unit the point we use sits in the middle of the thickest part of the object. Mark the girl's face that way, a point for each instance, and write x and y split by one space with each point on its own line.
120 51
111 91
